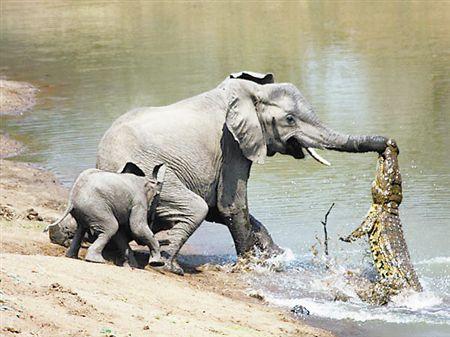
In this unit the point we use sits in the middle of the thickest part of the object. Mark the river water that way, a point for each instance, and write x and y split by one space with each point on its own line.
366 67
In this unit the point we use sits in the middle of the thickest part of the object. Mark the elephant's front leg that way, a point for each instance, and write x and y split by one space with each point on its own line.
246 231
143 234
261 238
249 233
232 202
240 228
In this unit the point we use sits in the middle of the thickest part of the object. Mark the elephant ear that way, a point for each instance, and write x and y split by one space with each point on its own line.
159 172
254 77
133 169
243 123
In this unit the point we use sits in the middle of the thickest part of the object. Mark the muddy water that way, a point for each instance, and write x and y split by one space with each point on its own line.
367 68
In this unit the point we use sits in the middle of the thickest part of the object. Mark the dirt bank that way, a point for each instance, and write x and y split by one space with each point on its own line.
16 97
29 193
45 294
9 147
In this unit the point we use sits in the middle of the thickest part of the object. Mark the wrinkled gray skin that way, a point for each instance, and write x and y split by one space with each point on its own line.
62 234
209 143
114 206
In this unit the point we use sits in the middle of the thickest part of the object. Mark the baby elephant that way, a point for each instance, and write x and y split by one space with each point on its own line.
115 207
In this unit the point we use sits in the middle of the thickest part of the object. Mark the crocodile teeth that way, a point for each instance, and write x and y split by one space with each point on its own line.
317 157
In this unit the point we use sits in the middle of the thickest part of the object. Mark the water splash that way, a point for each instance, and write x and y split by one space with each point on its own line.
435 260
326 293
259 263
416 301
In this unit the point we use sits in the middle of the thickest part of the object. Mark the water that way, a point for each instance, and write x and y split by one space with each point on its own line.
366 68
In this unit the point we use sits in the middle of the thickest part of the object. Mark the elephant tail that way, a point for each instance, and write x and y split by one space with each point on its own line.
57 222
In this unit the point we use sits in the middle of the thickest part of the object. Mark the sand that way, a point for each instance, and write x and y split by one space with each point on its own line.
16 97
9 147
44 293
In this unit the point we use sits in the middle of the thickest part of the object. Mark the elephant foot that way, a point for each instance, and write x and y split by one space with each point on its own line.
156 263
71 255
173 267
155 259
94 257
170 264
260 238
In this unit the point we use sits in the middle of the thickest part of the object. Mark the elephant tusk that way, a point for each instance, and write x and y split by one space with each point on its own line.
317 157
46 229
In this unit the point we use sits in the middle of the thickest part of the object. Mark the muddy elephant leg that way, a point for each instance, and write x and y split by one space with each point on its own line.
184 211
232 206
250 234
75 245
260 237
141 231
107 228
239 227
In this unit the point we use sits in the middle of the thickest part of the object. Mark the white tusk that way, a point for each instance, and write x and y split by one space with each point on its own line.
317 157
46 229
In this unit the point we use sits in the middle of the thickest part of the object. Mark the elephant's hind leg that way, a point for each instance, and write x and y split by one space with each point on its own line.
185 211
75 245
107 228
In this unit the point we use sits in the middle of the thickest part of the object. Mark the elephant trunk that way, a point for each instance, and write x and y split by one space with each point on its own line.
317 135
350 143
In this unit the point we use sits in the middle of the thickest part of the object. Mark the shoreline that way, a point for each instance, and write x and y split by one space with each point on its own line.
16 97
10 147
41 288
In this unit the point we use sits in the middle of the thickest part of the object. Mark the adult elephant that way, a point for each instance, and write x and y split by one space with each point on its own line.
209 143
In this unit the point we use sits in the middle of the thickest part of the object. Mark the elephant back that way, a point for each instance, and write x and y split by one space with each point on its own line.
186 136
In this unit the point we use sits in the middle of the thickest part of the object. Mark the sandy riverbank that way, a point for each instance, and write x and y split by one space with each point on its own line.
46 294
16 97
9 147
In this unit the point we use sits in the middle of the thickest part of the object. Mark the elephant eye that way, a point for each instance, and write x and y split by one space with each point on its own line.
290 119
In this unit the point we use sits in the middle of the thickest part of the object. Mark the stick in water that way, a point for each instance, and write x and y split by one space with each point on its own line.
324 223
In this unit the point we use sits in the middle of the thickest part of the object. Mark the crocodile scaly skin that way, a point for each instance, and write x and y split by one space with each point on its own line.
383 227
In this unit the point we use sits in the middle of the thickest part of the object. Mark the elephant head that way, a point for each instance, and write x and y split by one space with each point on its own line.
268 118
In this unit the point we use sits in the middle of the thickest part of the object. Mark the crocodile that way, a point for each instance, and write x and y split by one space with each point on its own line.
383 227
